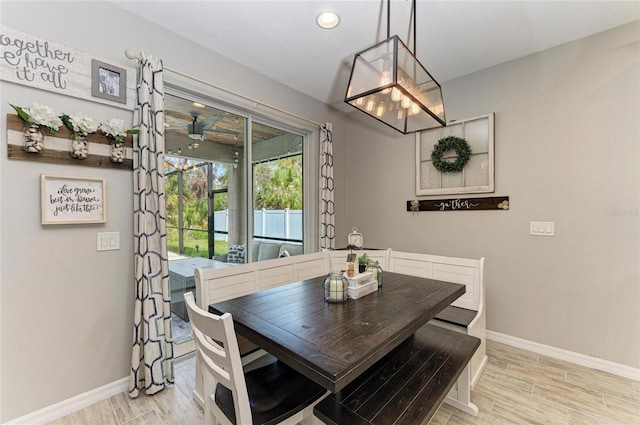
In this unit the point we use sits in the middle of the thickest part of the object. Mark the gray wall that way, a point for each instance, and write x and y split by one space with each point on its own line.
67 310
567 150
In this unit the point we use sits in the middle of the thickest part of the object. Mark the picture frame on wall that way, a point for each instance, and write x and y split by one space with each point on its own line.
72 200
108 81
477 175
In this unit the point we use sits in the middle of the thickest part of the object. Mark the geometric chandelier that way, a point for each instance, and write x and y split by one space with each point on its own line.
388 83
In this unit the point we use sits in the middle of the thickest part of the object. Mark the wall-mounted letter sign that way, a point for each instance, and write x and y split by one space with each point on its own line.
72 200
459 204
36 62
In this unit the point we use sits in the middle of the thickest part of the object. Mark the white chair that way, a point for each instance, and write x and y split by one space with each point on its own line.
272 394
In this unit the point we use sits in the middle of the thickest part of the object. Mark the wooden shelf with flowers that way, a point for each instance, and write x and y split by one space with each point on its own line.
57 146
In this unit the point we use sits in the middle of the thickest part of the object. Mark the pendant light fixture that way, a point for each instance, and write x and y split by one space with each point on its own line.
388 83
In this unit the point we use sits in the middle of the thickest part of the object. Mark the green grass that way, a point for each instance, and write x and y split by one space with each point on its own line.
194 244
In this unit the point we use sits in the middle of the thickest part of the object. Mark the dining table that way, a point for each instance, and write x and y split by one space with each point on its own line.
334 343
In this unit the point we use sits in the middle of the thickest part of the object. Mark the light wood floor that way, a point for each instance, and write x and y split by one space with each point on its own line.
517 387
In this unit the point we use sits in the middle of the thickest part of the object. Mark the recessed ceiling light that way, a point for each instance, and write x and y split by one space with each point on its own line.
197 105
328 20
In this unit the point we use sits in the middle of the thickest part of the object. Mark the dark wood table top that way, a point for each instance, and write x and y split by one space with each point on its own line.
333 344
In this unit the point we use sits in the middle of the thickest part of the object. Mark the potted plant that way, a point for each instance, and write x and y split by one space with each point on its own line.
351 257
363 261
351 269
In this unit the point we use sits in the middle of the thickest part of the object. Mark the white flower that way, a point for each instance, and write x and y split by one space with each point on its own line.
43 115
114 128
80 123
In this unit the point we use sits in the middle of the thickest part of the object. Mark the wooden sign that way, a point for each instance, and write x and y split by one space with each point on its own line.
458 204
57 148
37 62
72 200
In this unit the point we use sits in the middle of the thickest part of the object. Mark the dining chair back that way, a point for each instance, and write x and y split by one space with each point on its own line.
272 394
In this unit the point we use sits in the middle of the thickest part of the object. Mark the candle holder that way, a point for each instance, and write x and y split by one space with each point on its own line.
377 272
336 288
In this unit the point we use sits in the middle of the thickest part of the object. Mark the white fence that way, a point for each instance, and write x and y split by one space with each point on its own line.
279 224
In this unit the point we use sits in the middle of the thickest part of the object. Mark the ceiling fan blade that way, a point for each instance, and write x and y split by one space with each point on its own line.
211 120
222 130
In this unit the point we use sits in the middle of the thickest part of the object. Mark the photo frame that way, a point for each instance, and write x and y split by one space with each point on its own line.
72 200
108 81
477 175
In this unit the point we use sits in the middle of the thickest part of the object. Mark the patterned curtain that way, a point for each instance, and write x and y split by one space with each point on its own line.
152 354
327 206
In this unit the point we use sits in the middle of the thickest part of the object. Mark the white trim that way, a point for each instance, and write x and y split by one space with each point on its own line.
569 356
73 404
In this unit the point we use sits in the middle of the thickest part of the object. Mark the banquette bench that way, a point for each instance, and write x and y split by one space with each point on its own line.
466 315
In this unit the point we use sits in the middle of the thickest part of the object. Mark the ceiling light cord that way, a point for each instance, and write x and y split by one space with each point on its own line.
413 15
135 55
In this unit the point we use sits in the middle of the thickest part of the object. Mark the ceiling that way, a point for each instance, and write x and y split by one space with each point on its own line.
281 40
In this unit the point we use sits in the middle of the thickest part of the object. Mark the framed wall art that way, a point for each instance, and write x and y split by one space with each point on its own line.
108 81
72 200
473 175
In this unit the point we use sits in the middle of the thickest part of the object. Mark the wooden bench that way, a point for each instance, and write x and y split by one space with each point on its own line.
465 315
215 285
405 387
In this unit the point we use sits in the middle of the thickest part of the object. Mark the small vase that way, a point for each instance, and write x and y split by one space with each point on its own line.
79 146
117 151
33 139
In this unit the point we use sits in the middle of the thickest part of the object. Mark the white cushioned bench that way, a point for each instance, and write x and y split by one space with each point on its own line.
465 315
215 285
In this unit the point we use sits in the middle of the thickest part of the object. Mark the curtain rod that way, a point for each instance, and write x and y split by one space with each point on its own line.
135 55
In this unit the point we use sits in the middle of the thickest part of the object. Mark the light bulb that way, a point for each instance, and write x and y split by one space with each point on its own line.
369 106
396 95
360 101
405 102
385 79
380 110
414 109
400 114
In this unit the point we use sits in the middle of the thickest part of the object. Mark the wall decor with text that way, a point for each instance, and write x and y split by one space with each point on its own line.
459 204
72 200
37 62
477 176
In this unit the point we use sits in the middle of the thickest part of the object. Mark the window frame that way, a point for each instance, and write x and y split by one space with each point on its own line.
310 151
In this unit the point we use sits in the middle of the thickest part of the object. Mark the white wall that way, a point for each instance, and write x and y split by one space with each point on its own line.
567 150
66 310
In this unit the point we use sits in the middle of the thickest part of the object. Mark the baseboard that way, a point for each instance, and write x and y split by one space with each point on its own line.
66 407
570 356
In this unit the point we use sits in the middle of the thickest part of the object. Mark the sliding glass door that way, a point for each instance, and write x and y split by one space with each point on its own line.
235 184
277 188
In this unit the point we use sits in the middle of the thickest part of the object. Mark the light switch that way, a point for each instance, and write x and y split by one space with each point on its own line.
108 241
542 228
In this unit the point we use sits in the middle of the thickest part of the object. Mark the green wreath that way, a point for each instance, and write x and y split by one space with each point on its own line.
463 151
